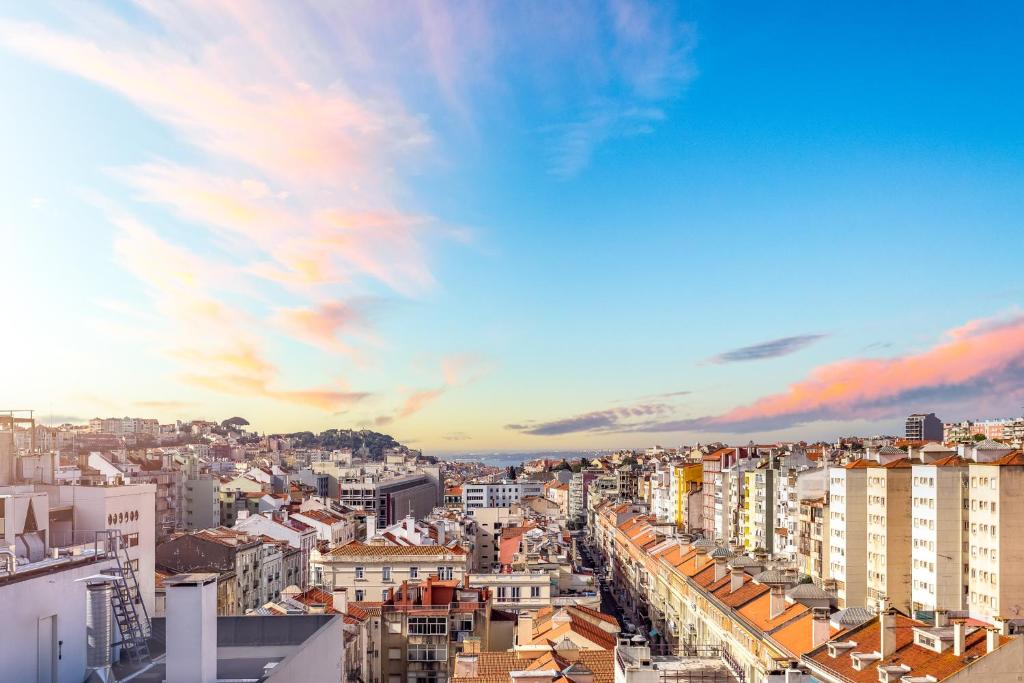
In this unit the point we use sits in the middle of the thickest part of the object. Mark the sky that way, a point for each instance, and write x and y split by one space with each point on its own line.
514 226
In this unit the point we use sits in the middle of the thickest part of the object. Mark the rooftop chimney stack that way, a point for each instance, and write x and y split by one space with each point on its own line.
191 628
735 580
991 639
777 601
820 629
959 638
720 569
887 622
524 628
339 600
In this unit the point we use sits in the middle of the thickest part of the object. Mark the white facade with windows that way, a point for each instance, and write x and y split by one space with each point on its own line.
503 494
938 563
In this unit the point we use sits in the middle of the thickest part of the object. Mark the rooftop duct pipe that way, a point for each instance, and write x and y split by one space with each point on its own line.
99 638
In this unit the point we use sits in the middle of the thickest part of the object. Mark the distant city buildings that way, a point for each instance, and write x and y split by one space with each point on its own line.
924 427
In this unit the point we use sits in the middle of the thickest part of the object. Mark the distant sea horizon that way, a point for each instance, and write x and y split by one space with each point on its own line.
504 459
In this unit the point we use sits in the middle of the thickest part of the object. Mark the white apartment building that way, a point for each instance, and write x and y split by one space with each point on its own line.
888 535
130 508
502 494
371 571
939 509
279 525
847 537
996 537
663 504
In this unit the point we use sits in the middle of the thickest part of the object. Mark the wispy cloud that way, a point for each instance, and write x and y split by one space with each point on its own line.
980 364
768 349
456 370
648 64
293 183
610 420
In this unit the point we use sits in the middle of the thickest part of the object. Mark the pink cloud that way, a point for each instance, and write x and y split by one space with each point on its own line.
322 325
868 387
980 363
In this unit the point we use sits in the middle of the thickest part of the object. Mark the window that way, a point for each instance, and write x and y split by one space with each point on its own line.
360 594
359 573
385 573
534 591
384 595
428 626
414 572
428 653
444 573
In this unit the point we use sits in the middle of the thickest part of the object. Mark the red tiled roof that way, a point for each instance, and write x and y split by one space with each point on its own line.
922 661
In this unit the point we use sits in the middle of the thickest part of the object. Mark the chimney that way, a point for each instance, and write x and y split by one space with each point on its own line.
466 664
777 601
959 638
941 618
410 524
524 629
339 600
735 580
820 629
887 632
371 526
720 569
440 533
991 639
701 560
191 628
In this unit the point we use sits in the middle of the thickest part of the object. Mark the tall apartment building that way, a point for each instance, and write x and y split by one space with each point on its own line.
502 494
687 479
939 506
996 530
723 491
758 529
813 538
924 426
578 491
847 551
202 503
391 498
889 535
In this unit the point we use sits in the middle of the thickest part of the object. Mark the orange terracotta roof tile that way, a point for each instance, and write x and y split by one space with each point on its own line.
757 612
922 661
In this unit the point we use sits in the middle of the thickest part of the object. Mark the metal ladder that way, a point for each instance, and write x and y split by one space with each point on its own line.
128 610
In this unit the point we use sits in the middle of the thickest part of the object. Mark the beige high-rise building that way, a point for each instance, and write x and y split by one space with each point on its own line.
995 533
889 535
847 541
938 562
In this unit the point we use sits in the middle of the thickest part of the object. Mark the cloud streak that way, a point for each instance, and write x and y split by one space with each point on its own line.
769 349
979 363
610 420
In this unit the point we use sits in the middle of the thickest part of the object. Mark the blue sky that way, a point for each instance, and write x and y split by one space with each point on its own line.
542 215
